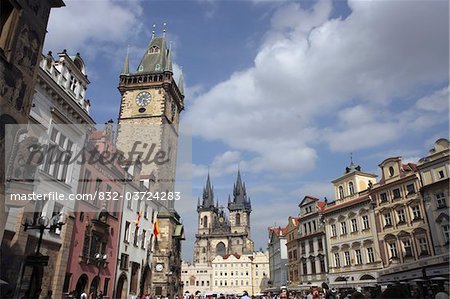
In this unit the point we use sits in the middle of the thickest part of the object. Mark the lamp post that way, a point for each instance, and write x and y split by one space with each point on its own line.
100 260
38 262
44 223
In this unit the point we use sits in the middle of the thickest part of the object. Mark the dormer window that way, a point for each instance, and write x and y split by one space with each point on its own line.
153 50
157 67
141 68
391 171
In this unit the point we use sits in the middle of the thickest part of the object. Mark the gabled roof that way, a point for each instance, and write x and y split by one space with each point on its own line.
308 197
278 231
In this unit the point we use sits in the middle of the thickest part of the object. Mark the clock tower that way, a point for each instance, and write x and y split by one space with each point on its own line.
151 102
149 115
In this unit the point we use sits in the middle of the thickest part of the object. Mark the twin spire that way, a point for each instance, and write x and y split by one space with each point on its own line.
239 201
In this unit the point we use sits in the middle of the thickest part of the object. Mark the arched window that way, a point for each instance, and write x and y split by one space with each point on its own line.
341 192
238 219
351 188
205 221
220 249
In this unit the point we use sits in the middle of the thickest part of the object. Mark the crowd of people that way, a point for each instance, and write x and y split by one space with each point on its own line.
397 292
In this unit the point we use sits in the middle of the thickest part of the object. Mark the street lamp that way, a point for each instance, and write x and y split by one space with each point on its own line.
44 223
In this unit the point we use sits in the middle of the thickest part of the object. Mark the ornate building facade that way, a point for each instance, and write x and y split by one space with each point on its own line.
234 273
37 258
22 31
311 236
218 234
352 243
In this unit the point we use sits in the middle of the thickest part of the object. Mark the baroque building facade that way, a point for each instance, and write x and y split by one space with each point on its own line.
234 273
352 243
311 238
219 234
148 132
22 31
38 258
93 253
292 246
400 216
415 197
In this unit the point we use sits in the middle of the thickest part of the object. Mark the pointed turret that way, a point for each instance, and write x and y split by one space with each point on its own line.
169 67
181 84
208 194
239 201
126 64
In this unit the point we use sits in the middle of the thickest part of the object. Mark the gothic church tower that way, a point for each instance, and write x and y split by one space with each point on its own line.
218 233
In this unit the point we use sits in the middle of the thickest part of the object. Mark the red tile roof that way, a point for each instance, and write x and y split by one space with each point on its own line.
322 205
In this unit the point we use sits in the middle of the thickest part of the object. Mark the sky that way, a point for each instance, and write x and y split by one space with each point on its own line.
284 90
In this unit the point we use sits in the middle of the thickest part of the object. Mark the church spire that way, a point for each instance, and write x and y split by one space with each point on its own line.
239 201
126 64
208 194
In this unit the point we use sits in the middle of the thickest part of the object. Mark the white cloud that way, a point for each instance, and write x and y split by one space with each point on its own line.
90 27
337 81
437 102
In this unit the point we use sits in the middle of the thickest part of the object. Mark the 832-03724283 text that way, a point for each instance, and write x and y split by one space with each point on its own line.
98 195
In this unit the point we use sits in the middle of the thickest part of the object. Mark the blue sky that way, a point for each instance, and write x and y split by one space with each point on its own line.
285 89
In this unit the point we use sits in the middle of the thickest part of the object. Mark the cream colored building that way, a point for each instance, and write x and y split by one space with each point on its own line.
234 274
196 278
352 243
401 222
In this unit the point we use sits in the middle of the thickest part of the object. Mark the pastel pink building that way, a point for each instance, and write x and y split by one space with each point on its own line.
93 254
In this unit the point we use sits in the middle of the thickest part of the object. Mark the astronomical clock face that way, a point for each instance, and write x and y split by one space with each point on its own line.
143 98
221 219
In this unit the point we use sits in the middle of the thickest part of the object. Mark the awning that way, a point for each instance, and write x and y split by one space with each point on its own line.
398 276
438 271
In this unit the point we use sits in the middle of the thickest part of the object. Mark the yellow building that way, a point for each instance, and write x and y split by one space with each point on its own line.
234 274
352 243
292 245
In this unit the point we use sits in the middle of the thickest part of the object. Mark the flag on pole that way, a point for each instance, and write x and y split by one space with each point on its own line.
156 225
138 220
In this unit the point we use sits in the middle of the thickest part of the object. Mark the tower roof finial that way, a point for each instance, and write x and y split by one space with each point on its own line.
351 158
153 31
126 63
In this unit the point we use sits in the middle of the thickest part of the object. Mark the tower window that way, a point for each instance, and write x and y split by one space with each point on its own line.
220 249
205 221
153 50
351 188
341 192
238 219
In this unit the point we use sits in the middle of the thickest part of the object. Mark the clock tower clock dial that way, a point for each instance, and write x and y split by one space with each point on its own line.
143 98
